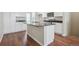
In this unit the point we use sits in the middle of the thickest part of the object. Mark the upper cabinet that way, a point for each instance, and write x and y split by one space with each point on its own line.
44 14
58 13
38 17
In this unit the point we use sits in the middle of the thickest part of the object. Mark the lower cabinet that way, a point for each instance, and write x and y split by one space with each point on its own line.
59 28
37 33
48 34
43 35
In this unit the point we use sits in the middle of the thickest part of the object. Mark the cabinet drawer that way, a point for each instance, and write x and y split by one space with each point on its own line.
38 35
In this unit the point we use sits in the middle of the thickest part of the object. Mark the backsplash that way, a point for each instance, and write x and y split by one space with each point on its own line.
59 18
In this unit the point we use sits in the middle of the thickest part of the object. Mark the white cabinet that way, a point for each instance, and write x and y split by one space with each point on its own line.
6 22
44 14
1 25
33 17
48 34
38 16
28 17
59 28
10 24
43 35
37 33
58 13
18 26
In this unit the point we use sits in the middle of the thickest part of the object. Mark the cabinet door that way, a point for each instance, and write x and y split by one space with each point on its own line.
44 14
28 17
17 26
48 34
1 25
59 28
38 35
58 13
33 17
6 22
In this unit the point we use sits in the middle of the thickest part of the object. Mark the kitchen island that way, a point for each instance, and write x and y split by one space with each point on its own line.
42 34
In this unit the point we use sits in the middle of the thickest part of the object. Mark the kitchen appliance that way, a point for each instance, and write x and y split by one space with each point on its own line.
50 14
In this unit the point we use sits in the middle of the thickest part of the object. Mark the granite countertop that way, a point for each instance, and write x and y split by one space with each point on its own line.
42 24
58 21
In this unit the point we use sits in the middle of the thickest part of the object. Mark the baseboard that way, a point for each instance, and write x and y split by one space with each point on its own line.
64 35
16 32
49 43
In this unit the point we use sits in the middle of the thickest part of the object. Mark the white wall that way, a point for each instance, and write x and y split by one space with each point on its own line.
6 22
74 24
1 25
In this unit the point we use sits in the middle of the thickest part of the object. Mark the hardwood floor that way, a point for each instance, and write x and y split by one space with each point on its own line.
65 41
31 42
59 41
16 39
13 39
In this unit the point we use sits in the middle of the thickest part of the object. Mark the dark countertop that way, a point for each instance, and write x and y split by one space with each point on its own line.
56 21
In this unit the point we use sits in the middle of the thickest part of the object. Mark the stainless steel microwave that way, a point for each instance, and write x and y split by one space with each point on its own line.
50 14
